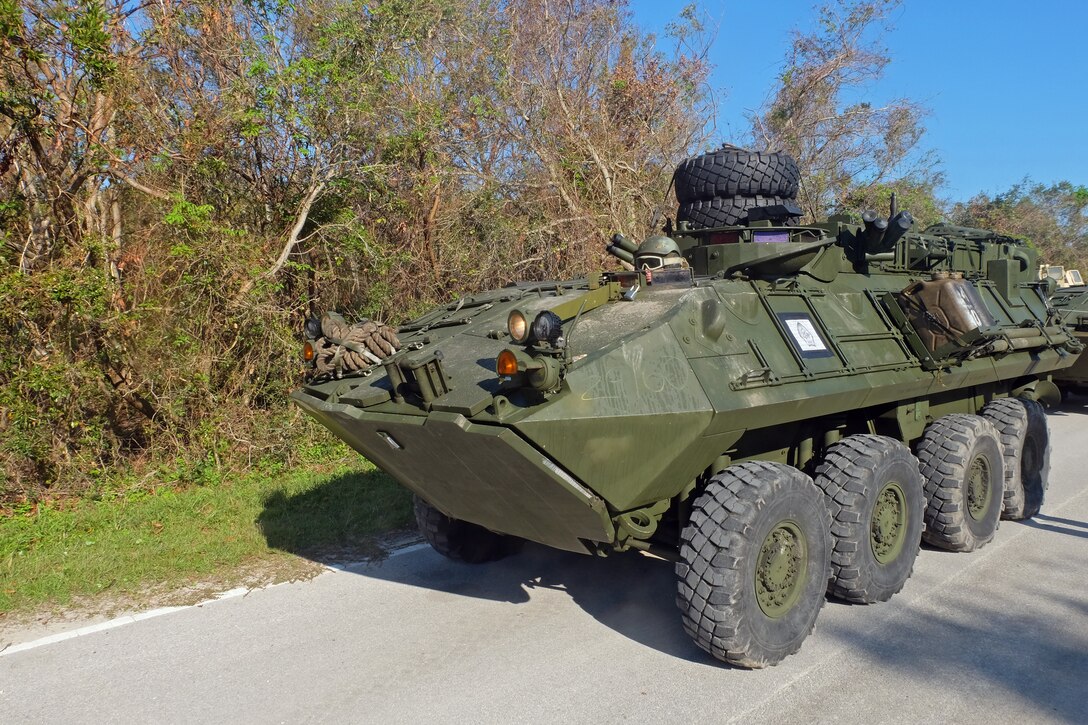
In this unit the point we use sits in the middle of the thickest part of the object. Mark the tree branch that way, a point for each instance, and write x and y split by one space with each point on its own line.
131 181
296 230
292 239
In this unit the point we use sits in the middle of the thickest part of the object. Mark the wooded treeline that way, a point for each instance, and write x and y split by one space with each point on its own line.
181 183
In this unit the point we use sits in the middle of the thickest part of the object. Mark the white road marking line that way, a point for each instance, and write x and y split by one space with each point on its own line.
118 622
150 614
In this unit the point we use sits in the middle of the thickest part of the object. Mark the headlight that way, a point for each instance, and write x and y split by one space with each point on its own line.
308 352
518 326
547 327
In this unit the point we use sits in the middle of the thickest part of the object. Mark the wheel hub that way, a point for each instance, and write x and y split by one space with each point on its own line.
979 490
888 526
780 569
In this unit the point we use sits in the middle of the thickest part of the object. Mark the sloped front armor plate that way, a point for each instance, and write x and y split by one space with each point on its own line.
480 473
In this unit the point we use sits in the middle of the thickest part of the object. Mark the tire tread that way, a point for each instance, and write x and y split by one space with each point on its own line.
944 454
736 172
715 545
1016 418
460 540
844 477
723 211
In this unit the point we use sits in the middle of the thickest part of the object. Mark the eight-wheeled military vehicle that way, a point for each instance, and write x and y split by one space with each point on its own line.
782 409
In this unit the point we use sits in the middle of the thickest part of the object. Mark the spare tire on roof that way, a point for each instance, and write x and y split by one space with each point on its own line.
724 212
732 171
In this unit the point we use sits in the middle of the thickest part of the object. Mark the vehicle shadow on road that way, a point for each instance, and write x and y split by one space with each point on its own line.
1062 522
1057 525
331 524
1027 640
1070 405
631 594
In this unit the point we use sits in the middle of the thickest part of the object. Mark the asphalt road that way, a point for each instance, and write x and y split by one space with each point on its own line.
1000 635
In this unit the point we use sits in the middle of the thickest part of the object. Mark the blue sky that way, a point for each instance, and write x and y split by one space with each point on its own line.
1006 82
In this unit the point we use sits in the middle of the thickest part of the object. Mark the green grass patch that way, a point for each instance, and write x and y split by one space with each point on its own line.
173 536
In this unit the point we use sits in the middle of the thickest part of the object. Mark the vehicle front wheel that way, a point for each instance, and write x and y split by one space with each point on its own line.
461 540
754 563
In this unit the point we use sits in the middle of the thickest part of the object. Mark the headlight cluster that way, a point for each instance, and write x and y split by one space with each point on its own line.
539 369
547 327
312 329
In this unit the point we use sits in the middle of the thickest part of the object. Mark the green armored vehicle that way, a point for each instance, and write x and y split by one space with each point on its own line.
1071 304
782 410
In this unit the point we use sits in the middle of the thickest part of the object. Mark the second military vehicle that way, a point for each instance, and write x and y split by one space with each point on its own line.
1062 277
782 410
1071 304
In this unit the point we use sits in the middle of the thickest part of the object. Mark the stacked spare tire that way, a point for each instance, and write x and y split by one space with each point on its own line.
732 186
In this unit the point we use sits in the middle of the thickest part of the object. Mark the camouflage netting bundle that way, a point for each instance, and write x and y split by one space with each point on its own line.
344 348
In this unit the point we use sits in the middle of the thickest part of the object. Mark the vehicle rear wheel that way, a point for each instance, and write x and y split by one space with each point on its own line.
461 540
754 564
964 477
1025 443
873 491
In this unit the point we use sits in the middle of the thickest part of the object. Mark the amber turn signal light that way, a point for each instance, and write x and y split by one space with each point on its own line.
506 364
308 352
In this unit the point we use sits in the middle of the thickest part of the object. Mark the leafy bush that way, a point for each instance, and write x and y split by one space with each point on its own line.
229 169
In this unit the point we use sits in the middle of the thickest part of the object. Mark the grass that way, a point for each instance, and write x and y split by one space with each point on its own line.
173 537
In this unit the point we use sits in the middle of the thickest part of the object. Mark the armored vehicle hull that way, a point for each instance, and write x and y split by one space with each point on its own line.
787 406
1071 302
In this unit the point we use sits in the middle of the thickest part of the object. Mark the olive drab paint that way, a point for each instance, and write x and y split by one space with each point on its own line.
768 344
1071 304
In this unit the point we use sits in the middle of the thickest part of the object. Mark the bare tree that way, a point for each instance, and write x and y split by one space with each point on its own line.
842 144
60 64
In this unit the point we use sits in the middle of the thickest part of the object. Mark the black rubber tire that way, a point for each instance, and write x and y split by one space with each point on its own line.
730 524
724 211
857 474
948 452
736 172
461 540
1025 442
